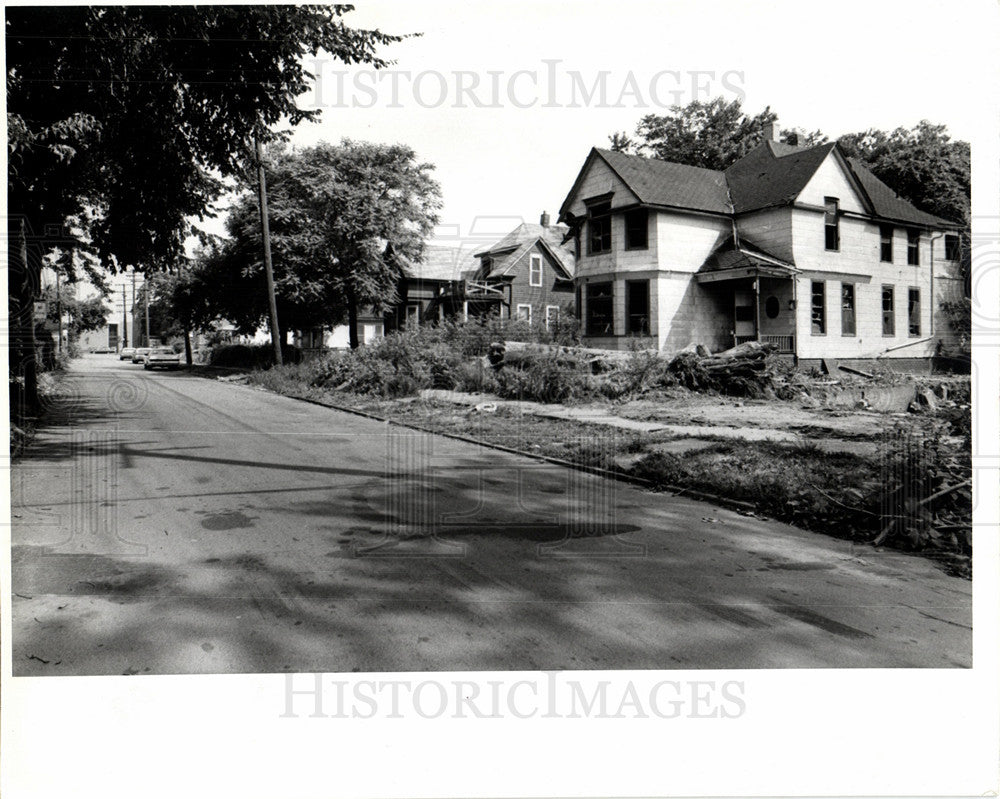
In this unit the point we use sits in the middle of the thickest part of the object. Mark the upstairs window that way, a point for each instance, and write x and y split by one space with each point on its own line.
599 227
535 270
848 324
637 230
886 232
831 222
888 311
913 247
913 312
818 308
951 248
600 311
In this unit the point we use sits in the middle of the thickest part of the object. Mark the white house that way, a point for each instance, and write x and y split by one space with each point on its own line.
801 247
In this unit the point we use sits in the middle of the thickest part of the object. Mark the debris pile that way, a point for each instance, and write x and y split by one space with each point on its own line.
743 371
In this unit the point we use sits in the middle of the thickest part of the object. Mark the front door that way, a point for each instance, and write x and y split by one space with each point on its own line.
745 326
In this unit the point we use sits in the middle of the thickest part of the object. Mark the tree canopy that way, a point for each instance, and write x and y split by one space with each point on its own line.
123 121
342 216
126 117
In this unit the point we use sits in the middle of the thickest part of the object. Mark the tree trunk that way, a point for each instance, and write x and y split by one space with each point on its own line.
352 320
21 295
188 357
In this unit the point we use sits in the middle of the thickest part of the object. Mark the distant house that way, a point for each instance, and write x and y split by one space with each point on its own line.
430 290
801 247
528 274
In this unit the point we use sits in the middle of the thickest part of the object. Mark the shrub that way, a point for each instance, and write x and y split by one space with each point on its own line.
250 356
542 377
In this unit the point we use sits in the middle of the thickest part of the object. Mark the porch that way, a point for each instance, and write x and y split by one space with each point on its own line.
762 303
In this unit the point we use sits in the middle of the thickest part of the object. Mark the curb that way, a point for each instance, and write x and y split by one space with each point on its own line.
623 477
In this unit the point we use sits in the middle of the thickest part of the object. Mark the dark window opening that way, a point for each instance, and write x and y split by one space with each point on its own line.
913 312
818 308
772 307
886 233
637 307
637 230
913 247
600 310
951 248
745 313
848 325
599 227
832 222
888 311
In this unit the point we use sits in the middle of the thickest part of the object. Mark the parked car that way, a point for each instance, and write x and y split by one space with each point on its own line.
126 354
140 354
162 357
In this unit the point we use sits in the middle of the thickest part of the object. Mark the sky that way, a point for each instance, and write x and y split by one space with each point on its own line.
505 98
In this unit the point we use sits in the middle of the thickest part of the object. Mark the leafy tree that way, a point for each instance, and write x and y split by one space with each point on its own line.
84 314
126 119
710 134
803 138
621 142
923 164
342 216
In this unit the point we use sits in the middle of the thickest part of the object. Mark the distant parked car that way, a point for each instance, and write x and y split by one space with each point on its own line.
126 354
162 357
140 354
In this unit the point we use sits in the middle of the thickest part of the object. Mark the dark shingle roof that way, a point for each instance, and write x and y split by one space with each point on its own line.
512 247
773 174
889 205
667 183
727 255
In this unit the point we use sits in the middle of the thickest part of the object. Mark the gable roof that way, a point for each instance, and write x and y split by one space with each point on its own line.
772 174
889 205
656 182
512 247
769 175
439 263
728 254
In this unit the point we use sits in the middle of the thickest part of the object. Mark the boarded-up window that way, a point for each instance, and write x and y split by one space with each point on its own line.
818 308
637 230
832 222
600 229
913 312
848 325
888 311
600 310
886 232
913 247
637 307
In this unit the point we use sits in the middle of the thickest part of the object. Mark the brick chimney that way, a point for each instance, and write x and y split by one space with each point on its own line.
772 131
544 221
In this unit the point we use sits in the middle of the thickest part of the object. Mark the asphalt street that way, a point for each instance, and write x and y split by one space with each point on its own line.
165 523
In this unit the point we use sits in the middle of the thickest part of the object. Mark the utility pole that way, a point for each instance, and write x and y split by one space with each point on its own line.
265 232
135 335
145 291
124 318
59 312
